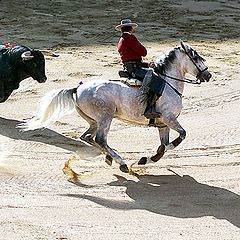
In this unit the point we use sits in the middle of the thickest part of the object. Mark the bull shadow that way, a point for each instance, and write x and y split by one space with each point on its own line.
47 136
176 196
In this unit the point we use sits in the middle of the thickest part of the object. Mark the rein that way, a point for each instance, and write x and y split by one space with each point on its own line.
173 88
186 80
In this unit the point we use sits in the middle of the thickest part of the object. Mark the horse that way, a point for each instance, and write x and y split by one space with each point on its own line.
99 101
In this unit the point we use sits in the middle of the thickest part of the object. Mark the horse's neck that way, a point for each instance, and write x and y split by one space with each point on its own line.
178 74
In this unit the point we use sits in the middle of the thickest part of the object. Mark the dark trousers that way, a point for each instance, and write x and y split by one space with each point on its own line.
155 85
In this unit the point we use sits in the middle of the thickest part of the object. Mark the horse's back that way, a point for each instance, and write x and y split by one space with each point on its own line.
99 98
100 89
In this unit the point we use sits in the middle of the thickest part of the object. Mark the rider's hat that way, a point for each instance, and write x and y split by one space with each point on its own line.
125 23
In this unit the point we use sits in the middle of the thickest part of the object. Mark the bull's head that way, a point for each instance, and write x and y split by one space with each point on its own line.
35 65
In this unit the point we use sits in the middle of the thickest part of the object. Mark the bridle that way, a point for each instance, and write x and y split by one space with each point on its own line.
186 80
194 63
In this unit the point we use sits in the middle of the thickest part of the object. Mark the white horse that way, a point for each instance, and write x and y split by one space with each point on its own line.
98 102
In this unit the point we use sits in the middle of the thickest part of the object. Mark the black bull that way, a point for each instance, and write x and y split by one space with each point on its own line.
16 64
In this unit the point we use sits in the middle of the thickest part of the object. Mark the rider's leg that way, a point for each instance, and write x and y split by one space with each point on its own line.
150 111
156 85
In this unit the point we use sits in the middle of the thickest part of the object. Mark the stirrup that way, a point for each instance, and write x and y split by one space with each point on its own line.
152 115
151 122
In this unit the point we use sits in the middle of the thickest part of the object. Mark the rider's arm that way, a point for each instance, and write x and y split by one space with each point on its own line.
136 46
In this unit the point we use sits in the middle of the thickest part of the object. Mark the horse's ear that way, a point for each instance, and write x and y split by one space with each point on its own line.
182 44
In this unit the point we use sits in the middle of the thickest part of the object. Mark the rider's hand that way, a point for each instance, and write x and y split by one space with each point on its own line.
151 64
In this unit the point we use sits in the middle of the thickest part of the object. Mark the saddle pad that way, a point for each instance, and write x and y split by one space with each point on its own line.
132 82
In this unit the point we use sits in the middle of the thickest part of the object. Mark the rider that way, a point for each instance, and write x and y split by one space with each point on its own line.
131 52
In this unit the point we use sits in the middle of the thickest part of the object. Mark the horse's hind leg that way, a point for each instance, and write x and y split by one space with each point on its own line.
99 129
101 139
90 134
88 137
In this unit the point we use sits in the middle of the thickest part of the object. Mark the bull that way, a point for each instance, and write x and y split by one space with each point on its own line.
16 64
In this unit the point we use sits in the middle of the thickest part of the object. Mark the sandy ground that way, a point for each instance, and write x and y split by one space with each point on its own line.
193 192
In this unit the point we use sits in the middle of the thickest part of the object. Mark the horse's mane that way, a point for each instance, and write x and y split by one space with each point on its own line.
165 60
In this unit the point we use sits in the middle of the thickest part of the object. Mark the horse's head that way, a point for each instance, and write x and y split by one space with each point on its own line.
195 64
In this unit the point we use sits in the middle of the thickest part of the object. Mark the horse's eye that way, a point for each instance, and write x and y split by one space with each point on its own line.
195 58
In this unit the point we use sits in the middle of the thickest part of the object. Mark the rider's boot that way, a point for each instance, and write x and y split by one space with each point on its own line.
150 111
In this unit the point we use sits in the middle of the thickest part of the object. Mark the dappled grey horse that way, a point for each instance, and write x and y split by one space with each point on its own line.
98 102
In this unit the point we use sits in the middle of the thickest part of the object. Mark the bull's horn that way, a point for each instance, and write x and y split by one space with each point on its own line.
49 53
27 56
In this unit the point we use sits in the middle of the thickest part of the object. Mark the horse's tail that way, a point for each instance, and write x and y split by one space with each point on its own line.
53 106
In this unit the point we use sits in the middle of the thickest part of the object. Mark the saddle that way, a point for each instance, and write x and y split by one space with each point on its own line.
129 79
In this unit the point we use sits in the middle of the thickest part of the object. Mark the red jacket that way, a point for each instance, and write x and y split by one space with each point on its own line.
130 48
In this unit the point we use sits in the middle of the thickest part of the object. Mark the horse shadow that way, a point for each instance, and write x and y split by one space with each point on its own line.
173 195
47 136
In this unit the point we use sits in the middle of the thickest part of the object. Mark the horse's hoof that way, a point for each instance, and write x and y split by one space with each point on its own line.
142 161
109 160
124 168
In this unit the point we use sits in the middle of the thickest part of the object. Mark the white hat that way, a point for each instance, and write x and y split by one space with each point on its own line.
125 23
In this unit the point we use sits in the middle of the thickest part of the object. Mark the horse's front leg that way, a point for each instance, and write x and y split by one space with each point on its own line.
173 124
164 138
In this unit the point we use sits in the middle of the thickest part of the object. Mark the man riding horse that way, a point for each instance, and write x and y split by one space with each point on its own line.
131 52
